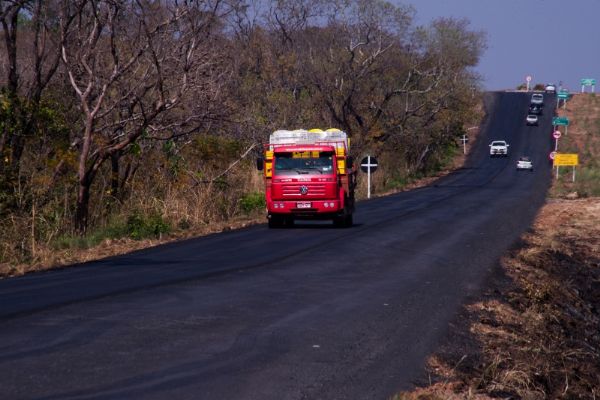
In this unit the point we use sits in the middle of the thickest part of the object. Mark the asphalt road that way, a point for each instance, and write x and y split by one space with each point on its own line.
306 313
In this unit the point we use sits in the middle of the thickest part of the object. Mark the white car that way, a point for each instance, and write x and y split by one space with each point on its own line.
537 99
524 163
531 119
499 148
550 88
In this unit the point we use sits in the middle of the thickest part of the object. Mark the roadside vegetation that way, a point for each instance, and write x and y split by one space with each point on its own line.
536 333
125 123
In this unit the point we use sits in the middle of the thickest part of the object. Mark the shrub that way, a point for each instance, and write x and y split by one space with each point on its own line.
140 226
251 202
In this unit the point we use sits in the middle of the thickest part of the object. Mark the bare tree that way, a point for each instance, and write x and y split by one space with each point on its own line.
132 64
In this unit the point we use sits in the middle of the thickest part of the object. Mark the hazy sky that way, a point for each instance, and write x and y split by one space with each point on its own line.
551 40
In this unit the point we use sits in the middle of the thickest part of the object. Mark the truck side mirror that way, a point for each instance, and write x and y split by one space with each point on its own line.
349 162
260 163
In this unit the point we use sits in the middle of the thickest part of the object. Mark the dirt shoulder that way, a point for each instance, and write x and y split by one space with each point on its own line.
535 333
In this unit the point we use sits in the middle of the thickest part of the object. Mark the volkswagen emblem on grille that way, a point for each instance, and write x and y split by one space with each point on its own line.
303 189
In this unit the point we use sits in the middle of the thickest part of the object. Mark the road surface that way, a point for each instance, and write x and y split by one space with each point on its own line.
311 312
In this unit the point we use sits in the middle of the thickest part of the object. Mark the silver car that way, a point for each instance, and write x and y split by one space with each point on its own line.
537 99
524 163
531 120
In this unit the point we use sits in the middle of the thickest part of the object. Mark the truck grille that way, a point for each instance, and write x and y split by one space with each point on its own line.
293 189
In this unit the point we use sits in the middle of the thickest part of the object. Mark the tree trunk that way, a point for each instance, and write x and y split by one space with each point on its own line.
115 176
82 210
86 177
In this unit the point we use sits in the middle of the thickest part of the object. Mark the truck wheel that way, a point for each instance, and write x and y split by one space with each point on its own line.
275 221
343 221
349 221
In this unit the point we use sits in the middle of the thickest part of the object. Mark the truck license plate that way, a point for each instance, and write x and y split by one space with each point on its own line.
303 204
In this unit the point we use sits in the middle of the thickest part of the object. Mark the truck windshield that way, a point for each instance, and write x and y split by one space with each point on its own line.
302 163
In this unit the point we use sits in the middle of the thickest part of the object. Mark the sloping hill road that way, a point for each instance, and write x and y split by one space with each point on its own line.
305 313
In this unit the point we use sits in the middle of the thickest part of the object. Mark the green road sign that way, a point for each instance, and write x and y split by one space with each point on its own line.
563 96
558 121
588 82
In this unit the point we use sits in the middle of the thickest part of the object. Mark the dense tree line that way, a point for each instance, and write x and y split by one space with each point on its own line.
112 106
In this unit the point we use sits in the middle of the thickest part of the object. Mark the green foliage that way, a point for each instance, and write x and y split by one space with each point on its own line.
174 159
135 149
137 227
140 226
251 202
115 230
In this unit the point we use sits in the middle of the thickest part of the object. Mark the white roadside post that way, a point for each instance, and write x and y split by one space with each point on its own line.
464 141
369 164
369 177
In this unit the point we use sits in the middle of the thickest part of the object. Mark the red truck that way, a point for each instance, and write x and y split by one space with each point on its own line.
308 174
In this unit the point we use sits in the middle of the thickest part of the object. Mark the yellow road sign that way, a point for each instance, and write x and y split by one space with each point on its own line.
566 160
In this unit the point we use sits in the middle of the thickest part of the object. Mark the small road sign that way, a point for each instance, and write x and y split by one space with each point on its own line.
560 121
556 134
552 155
369 165
566 160
588 82
563 95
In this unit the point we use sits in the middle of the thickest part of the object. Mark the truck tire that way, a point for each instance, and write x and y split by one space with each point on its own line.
343 221
275 222
349 220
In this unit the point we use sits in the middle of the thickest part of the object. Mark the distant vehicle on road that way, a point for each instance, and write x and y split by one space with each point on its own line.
535 109
499 148
550 88
531 120
524 163
537 99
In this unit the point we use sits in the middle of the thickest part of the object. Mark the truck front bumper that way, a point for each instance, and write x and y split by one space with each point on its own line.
305 208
